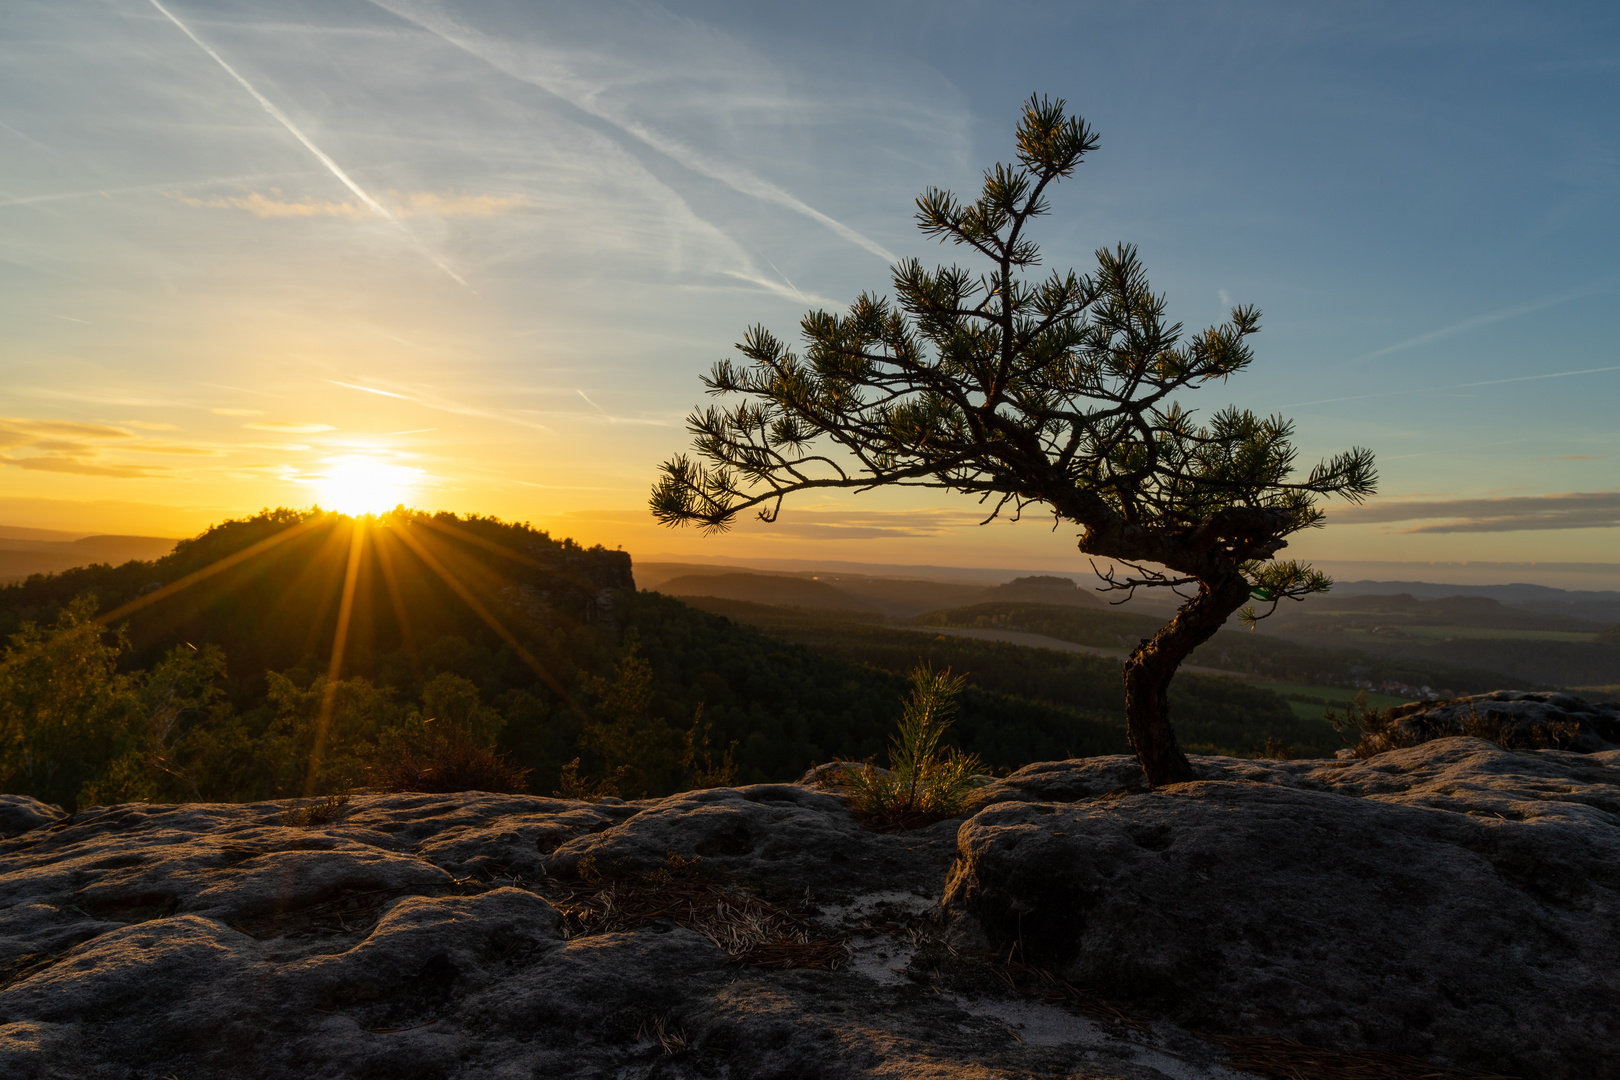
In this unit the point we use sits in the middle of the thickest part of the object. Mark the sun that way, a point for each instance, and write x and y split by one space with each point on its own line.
357 485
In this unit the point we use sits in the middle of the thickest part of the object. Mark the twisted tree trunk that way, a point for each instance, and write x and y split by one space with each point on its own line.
1153 664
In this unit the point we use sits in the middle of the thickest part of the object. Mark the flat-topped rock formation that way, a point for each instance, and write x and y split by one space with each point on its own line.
1453 902
1510 717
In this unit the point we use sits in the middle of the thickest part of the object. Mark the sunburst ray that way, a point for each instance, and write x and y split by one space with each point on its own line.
483 613
351 575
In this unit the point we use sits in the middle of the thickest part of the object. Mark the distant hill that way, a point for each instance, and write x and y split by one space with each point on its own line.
897 598
765 589
1601 606
901 598
1040 590
1545 648
1481 637
22 556
1477 612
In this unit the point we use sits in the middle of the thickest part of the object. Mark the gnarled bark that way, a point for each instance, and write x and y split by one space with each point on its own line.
1153 664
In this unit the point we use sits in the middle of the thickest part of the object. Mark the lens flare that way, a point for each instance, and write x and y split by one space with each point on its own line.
360 485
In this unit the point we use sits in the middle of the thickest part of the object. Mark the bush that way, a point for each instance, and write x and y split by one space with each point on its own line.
451 759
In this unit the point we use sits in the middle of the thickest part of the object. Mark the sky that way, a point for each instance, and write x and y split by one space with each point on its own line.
475 256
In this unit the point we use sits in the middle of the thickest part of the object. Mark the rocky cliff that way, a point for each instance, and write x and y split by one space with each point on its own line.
1454 903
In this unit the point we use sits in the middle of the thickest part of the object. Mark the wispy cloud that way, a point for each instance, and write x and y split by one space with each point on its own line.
70 446
370 390
237 412
555 77
431 399
167 186
63 464
15 427
404 204
810 523
559 487
177 448
1455 386
1570 510
610 418
291 429
1492 317
320 155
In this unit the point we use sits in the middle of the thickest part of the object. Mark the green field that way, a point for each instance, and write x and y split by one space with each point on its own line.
1308 701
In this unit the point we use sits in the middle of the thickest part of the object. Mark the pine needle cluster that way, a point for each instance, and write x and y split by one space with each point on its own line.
921 784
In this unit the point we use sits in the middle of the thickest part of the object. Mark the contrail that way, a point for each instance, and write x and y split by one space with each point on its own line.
1494 317
739 180
1453 386
320 155
369 390
443 405
783 276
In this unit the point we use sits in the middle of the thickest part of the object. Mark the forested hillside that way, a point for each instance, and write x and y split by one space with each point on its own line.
1211 714
204 674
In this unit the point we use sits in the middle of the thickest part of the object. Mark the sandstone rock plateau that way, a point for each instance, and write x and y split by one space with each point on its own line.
1454 902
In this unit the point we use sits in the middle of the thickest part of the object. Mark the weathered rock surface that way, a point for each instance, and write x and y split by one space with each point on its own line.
1453 901
1515 717
19 813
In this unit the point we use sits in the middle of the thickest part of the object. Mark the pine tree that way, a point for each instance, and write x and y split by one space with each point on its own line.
1058 392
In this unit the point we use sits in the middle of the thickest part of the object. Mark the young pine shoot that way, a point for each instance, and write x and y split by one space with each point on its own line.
920 785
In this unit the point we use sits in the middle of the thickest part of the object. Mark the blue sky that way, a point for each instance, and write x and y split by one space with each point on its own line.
481 252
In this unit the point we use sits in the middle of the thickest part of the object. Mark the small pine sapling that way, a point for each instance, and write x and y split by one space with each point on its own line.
920 785
698 758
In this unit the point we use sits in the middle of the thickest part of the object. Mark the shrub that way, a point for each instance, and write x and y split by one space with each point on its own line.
571 785
919 786
698 758
1410 725
450 759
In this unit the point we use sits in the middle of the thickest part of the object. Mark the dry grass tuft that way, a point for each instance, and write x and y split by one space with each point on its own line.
746 928
659 1030
323 812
